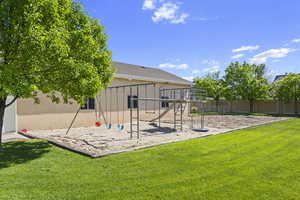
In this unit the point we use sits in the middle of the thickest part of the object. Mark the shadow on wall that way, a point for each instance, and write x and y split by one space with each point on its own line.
21 152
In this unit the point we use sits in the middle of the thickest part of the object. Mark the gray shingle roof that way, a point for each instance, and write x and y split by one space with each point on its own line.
135 72
279 77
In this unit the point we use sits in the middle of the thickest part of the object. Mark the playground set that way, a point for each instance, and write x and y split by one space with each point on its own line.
155 102
132 117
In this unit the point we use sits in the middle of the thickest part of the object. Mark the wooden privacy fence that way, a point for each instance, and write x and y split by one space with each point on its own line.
260 106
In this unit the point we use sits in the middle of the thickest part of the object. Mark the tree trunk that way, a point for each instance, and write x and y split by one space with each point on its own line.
2 110
251 102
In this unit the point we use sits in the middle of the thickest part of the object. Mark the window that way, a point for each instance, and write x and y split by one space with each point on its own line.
135 102
89 104
164 104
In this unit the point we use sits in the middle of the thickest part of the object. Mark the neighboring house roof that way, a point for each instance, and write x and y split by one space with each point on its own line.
135 72
279 77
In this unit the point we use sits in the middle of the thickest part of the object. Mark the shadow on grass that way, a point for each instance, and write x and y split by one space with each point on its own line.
21 152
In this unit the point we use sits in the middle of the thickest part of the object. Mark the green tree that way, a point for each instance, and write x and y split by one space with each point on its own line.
288 90
230 95
247 82
213 85
52 47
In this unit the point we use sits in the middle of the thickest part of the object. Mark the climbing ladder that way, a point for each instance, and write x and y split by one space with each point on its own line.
179 111
178 115
134 118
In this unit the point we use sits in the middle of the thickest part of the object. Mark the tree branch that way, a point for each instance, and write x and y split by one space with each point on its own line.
12 101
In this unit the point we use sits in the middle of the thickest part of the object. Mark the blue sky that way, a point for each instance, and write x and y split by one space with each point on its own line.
191 37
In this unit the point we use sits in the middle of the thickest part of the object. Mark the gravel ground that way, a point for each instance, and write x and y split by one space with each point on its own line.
99 141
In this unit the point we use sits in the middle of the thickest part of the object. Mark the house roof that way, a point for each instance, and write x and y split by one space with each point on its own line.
279 77
136 72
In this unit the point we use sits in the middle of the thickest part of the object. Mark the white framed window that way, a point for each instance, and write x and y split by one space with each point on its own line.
135 102
164 104
89 104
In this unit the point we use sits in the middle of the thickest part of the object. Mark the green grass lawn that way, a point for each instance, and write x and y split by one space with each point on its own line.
257 163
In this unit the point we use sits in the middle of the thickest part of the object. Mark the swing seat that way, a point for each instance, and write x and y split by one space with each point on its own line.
108 126
120 127
200 129
24 131
98 124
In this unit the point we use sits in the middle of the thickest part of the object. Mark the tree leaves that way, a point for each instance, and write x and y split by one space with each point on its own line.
247 81
288 88
51 45
241 81
212 84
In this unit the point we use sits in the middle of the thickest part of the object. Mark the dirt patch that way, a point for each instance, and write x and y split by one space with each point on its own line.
99 141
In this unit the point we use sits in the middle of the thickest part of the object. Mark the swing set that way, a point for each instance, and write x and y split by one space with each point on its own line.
107 116
178 98
127 90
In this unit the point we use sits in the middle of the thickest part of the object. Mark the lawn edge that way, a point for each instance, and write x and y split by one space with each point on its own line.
85 153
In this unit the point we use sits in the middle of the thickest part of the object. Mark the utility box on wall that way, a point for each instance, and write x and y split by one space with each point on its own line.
10 117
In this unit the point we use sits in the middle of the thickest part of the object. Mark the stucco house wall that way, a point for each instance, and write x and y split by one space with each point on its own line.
48 115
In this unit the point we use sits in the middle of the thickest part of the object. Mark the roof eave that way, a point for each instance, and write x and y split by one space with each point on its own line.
143 78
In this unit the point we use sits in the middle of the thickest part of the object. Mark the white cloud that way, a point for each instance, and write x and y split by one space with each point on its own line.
203 19
210 62
213 66
272 53
189 78
149 4
213 69
296 40
169 11
196 71
200 19
246 48
270 75
174 66
237 56
180 19
275 61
